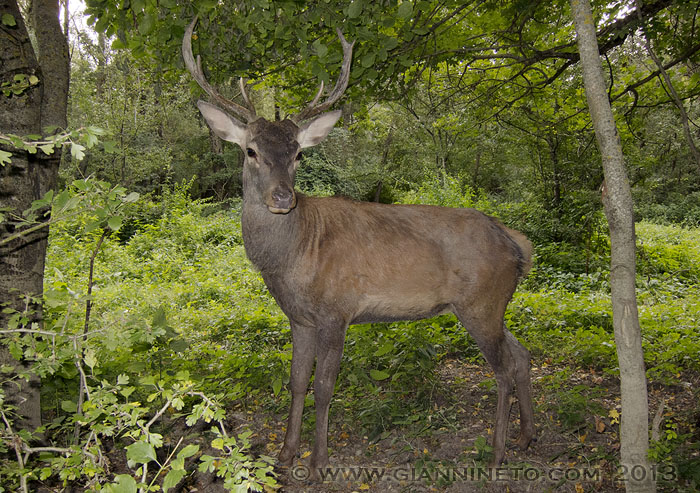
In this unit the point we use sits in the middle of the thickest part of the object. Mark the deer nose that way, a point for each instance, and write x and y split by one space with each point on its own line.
283 199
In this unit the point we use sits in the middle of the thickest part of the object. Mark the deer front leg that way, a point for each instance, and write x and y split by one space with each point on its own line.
303 353
329 351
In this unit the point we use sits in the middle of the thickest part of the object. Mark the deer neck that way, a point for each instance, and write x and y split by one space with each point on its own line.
270 240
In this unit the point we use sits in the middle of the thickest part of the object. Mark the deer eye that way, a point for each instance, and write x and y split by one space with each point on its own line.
250 152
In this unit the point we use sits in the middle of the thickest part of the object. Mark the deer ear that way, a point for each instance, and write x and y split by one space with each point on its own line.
223 125
315 130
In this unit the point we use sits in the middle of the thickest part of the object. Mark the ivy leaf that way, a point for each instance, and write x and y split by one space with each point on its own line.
9 20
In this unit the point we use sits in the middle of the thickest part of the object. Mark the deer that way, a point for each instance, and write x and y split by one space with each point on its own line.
330 262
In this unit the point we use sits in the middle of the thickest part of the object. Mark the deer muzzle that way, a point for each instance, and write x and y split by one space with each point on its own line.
282 200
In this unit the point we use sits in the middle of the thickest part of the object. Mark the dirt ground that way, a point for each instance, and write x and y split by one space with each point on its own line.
576 449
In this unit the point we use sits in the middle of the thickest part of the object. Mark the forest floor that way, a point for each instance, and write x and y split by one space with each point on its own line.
577 447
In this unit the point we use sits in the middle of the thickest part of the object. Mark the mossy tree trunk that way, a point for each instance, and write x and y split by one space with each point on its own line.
29 176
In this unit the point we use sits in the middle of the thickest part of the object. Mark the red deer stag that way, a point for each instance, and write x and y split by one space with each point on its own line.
331 262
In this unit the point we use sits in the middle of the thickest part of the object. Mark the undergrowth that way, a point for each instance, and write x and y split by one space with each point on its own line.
180 321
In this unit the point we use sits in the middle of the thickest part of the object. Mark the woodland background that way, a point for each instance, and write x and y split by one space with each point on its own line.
164 359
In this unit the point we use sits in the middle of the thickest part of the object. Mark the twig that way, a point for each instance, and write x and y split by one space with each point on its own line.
83 390
36 227
155 476
158 415
29 331
211 404
17 444
88 305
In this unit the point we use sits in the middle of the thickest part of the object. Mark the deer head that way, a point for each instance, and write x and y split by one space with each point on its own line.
272 149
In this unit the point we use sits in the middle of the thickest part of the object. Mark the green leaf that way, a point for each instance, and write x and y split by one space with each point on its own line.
9 20
277 386
114 222
109 146
118 44
355 9
61 199
321 49
132 197
159 318
69 406
77 151
124 484
147 23
390 43
92 226
33 80
368 60
47 149
405 10
141 452
378 374
173 478
5 157
178 345
188 451
90 358
386 347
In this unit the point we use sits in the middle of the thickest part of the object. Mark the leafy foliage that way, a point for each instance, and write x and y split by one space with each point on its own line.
180 324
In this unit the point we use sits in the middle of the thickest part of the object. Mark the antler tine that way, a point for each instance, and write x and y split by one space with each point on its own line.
195 68
341 84
318 95
244 92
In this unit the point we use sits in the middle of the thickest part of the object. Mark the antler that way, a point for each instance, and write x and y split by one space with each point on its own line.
314 108
195 69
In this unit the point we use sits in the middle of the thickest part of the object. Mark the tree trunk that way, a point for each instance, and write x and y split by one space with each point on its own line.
29 176
617 201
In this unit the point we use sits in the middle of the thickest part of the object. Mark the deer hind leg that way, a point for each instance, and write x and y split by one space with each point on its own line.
489 335
523 390
303 354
